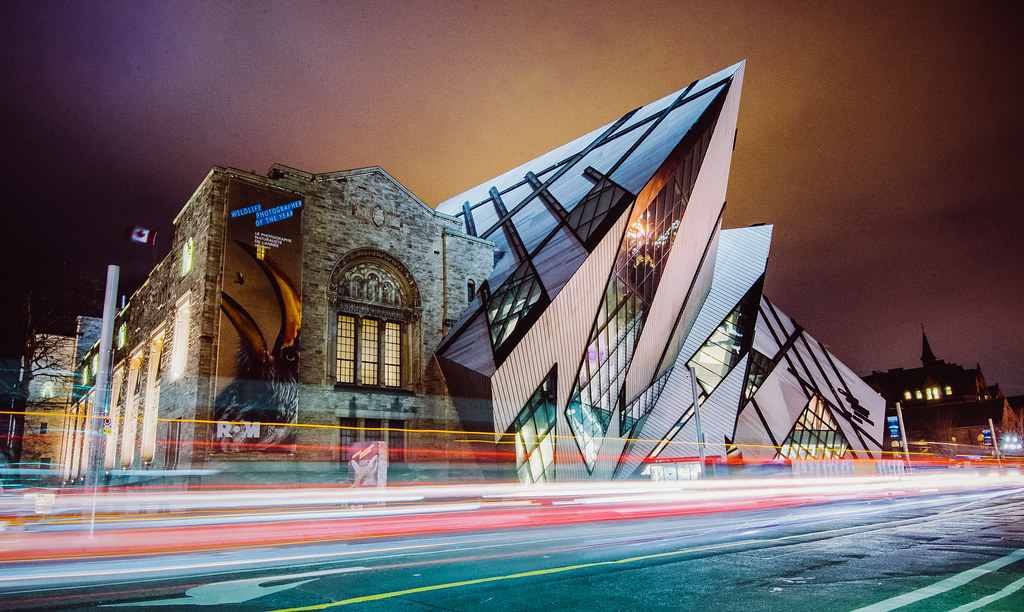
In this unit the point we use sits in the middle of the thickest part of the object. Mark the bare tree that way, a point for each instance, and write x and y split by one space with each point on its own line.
42 306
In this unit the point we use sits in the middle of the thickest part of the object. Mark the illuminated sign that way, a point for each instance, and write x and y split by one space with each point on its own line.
893 424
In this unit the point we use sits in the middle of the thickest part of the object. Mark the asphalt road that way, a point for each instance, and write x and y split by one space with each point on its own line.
957 551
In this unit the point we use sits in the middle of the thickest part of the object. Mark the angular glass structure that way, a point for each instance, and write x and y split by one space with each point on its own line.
611 267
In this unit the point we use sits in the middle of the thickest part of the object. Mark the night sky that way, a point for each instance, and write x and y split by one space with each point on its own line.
882 139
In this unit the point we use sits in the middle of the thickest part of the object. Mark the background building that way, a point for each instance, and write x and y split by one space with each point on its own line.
946 407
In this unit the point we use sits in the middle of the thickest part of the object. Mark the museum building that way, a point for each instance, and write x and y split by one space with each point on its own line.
295 314
613 278
553 314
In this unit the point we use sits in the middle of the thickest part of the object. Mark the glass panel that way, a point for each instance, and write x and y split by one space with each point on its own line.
347 436
534 222
504 258
485 216
392 354
533 429
511 303
760 365
346 349
815 435
370 347
634 173
396 441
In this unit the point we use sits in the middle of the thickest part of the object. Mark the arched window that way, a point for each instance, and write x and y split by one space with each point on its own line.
470 290
376 307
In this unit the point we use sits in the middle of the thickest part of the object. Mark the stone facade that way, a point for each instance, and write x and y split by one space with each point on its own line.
370 248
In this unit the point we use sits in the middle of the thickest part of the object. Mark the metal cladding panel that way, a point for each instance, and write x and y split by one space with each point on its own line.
781 400
472 349
830 378
674 400
780 322
752 438
700 220
559 336
717 418
698 294
740 262
765 341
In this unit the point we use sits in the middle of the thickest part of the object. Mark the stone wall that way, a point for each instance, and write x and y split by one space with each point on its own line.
352 215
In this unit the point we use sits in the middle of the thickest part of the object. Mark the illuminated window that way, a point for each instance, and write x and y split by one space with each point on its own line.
906 395
928 393
48 390
122 336
533 431
949 390
179 350
346 349
371 347
187 252
95 364
374 306
815 435
917 394
935 393
392 354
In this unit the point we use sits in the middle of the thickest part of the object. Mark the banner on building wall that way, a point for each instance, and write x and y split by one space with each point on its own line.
257 402
368 464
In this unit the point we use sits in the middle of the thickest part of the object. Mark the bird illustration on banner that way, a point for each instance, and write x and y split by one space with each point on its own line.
257 409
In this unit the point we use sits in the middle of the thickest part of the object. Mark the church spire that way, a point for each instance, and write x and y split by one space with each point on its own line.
927 356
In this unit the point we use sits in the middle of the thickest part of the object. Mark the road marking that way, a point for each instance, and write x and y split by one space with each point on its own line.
235 591
567 568
1009 589
543 572
946 585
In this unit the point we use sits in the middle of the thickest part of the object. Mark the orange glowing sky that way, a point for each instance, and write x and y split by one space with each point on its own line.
881 139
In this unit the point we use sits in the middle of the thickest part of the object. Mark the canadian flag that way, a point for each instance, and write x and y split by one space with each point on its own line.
143 235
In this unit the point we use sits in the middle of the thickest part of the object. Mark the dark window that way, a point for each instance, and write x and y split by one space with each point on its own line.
42 428
372 430
348 436
396 441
